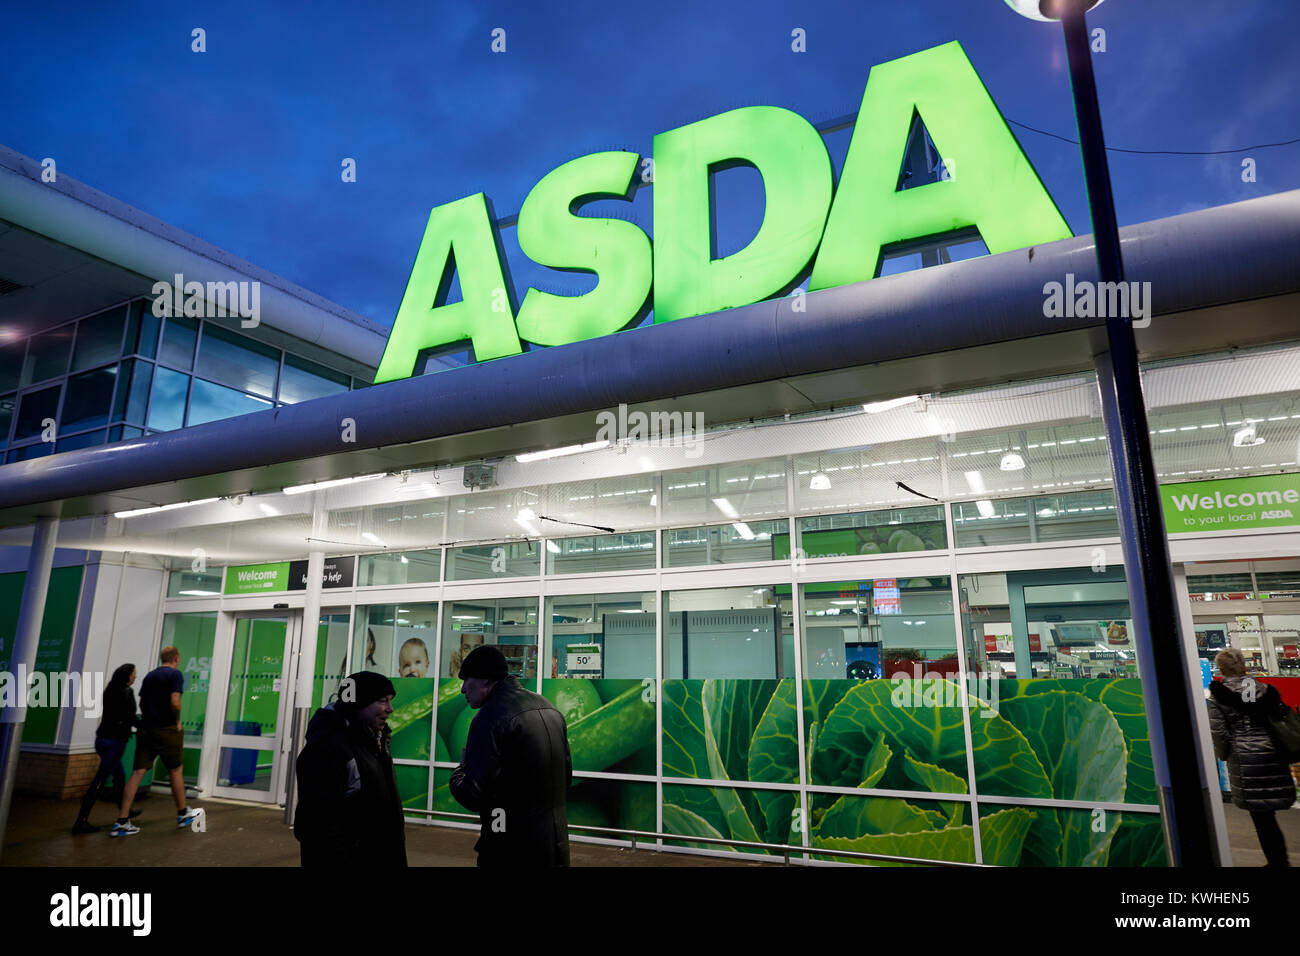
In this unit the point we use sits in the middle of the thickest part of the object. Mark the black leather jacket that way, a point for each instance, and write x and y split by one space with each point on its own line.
515 774
349 813
1258 774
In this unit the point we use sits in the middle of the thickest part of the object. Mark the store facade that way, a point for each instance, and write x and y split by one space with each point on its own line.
872 608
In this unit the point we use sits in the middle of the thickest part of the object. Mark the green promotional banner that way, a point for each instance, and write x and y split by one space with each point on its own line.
256 578
1270 501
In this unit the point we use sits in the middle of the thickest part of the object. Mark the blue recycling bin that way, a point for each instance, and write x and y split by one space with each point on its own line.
239 767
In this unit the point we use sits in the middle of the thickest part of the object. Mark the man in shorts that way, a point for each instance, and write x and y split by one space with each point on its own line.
160 736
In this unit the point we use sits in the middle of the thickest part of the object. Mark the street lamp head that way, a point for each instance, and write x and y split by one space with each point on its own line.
1047 10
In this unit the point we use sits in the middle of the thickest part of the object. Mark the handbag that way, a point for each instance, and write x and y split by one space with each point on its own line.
1286 733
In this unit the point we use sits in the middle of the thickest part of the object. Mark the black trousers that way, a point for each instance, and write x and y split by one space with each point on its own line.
110 763
1271 840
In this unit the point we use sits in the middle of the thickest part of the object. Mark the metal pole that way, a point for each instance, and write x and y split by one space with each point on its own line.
22 659
1166 691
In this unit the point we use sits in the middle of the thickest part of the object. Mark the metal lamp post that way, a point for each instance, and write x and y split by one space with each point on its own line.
1181 779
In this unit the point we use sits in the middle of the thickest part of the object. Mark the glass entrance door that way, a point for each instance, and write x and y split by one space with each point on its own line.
258 695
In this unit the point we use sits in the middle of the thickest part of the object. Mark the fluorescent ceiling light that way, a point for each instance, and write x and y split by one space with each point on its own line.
975 481
332 483
558 452
875 408
654 500
632 610
726 508
552 547
465 617
853 603
404 559
742 529
820 482
372 538
202 593
1045 512
1012 462
986 508
172 507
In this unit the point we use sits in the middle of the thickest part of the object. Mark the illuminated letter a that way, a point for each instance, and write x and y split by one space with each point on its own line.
459 231
994 188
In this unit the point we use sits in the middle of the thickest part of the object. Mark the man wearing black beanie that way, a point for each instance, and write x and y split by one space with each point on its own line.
349 813
515 769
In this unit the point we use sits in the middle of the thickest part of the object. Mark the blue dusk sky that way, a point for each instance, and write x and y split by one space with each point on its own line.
242 145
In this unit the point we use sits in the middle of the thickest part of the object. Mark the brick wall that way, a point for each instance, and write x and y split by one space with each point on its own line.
55 775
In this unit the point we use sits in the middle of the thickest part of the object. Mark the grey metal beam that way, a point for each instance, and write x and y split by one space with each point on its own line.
1197 263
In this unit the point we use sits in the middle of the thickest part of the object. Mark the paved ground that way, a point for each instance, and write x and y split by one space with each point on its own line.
38 835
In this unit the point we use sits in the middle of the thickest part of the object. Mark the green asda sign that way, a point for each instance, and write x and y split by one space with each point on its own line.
1270 501
256 578
807 219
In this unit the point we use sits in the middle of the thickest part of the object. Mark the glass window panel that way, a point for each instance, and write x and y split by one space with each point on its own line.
209 402
99 339
399 641
600 650
621 804
189 583
870 532
33 409
410 567
11 363
120 432
509 623
696 810
989 523
596 553
238 361
179 335
734 492
1076 623
508 560
304 380
7 404
879 628
47 355
727 544
137 390
167 406
899 827
331 657
194 635
89 399
84 440
142 329
744 632
39 450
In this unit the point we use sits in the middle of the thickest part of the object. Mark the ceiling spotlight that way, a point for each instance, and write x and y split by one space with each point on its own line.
1012 462
1246 438
820 482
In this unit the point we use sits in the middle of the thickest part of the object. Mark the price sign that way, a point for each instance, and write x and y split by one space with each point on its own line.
582 658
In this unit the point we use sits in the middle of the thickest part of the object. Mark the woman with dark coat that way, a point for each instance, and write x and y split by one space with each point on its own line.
116 725
1240 708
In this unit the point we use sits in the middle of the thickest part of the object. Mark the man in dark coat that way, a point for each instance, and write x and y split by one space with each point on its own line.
349 813
515 770
1240 708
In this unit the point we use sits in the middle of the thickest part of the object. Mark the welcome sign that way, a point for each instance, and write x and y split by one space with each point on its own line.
840 229
1268 501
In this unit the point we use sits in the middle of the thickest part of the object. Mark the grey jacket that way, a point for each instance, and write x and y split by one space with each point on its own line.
1258 774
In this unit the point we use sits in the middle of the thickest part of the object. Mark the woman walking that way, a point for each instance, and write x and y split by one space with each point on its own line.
1240 708
115 726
